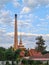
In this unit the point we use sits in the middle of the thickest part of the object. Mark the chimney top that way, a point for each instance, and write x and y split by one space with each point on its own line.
15 15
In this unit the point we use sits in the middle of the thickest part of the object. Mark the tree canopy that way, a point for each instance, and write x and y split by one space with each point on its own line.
40 44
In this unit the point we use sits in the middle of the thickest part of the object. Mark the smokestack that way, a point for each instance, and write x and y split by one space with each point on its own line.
15 34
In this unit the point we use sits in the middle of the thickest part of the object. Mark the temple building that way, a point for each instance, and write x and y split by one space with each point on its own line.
16 46
32 53
21 46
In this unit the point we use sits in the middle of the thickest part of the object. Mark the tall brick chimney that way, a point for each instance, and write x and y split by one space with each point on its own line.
15 34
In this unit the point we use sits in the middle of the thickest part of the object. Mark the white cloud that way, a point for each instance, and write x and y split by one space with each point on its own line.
27 34
42 19
3 3
47 17
5 45
5 18
22 33
2 32
25 10
4 38
47 34
7 39
47 6
43 24
16 3
35 3
22 23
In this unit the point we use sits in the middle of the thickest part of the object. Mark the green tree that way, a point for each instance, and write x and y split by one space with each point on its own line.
2 49
31 62
17 53
40 44
9 54
2 53
25 62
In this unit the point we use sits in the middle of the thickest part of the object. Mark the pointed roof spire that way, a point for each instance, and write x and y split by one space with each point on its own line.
21 46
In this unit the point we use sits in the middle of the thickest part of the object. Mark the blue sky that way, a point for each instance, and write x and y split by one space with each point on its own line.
33 21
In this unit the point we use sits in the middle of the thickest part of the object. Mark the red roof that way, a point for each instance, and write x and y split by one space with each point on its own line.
33 52
22 53
36 57
46 55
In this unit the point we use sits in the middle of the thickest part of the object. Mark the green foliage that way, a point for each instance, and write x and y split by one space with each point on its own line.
2 53
31 62
37 62
45 52
2 49
40 44
17 54
26 52
9 54
25 62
